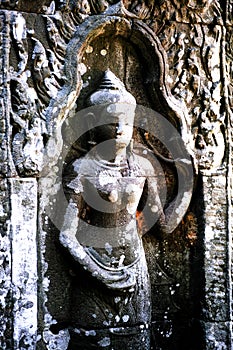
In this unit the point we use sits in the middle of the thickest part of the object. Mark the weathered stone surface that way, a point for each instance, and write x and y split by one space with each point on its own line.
18 264
6 167
216 267
24 261
218 335
5 270
174 57
194 57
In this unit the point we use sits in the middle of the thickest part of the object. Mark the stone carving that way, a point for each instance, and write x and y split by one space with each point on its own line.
229 59
5 269
186 10
37 76
45 72
189 10
29 101
6 324
229 8
190 71
4 43
196 79
32 73
143 9
27 143
9 3
43 6
57 43
111 289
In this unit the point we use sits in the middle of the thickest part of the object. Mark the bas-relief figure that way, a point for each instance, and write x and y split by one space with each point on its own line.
111 304
203 39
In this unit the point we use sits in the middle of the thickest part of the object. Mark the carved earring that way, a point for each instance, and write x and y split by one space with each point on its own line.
91 142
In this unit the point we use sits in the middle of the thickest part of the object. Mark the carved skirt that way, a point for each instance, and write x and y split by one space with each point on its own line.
101 317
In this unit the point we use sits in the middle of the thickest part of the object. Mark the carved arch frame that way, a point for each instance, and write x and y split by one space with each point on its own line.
138 34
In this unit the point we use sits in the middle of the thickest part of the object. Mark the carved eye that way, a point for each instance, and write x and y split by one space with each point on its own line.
111 108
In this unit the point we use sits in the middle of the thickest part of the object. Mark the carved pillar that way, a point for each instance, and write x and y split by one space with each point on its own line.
229 107
206 61
5 251
24 261
175 57
19 240
217 194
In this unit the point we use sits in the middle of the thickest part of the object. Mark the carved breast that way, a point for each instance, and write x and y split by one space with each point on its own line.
107 225
111 193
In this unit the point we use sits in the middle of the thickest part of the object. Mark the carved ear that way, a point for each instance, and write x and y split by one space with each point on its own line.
90 120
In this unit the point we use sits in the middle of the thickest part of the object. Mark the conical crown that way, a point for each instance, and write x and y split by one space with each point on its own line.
110 90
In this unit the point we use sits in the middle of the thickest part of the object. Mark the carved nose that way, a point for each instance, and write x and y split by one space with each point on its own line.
120 128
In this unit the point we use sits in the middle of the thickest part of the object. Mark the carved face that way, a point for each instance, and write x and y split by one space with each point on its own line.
116 121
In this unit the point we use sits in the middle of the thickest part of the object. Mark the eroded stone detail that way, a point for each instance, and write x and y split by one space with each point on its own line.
110 290
185 11
27 6
31 91
192 34
6 166
229 101
110 252
5 269
229 7
24 261
195 77
216 309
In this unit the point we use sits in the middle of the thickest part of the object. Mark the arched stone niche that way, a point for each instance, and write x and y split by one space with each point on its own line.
133 52
135 55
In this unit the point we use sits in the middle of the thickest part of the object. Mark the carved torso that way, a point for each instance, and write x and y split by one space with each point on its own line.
107 196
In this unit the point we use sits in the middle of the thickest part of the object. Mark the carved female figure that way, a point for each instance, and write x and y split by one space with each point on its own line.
111 290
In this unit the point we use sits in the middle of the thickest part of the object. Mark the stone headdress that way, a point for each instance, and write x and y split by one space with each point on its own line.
110 90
